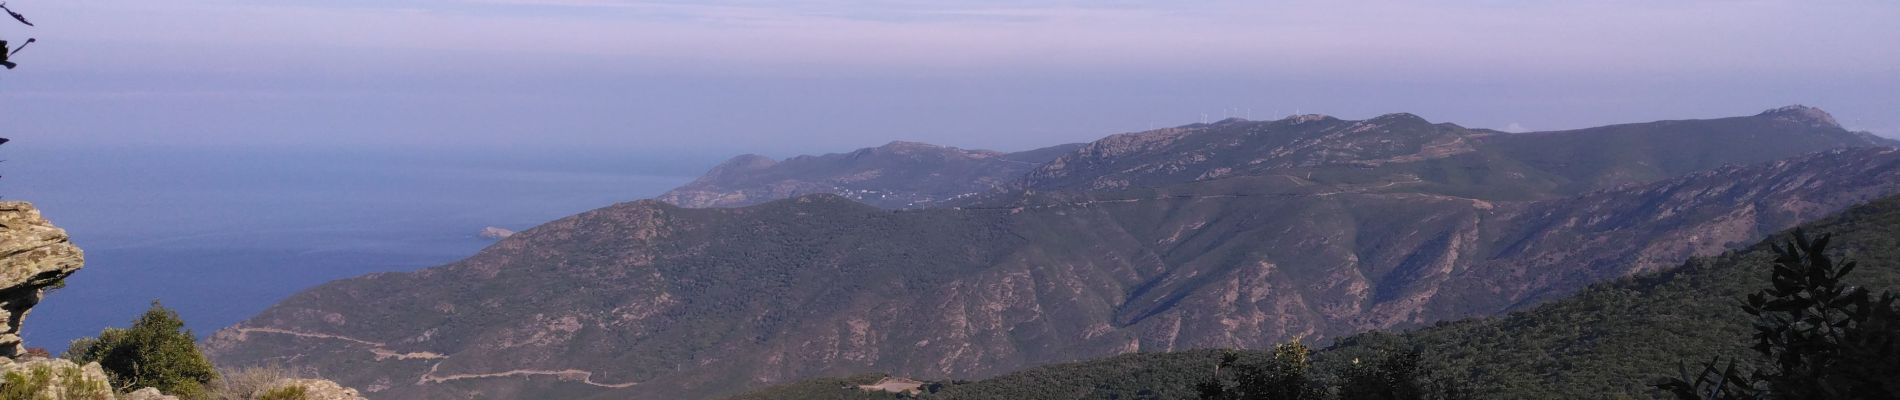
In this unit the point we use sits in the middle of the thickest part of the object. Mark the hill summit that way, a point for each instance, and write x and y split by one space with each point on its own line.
1802 114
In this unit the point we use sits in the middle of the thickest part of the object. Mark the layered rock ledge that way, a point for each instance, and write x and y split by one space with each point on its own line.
34 255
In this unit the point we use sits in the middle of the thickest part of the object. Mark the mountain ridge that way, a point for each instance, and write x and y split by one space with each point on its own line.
1559 162
1309 151
899 174
687 302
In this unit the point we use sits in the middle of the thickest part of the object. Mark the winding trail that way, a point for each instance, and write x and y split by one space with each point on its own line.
581 376
382 352
244 333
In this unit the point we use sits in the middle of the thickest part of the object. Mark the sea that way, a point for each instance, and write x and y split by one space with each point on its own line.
220 233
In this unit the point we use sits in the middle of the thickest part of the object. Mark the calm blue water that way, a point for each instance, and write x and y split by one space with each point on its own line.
221 233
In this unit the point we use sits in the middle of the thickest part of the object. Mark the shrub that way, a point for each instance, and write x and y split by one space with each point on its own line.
1285 376
1394 376
292 392
246 383
157 351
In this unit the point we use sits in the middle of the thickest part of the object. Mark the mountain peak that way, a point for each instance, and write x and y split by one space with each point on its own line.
900 144
1389 120
1802 114
1395 117
1305 118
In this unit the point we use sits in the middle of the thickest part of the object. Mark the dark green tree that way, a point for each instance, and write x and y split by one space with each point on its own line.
1715 381
1285 376
1392 377
1816 337
157 351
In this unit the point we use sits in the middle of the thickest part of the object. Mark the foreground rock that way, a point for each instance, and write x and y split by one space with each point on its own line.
311 389
148 394
61 379
34 255
55 379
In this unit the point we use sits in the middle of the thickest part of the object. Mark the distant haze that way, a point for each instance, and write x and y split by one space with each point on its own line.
802 76
219 234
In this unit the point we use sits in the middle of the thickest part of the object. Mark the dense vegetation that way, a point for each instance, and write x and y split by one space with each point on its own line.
1616 339
157 351
1816 337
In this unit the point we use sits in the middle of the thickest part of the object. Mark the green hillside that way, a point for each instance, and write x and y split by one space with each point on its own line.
1616 338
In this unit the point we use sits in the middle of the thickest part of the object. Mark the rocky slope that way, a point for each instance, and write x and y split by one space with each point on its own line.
1611 340
896 175
1341 227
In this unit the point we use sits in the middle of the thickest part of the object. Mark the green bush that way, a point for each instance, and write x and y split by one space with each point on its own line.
157 351
244 383
1286 376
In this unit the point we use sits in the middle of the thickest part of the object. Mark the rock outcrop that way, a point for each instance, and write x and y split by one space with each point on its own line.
56 379
312 389
1801 114
34 255
61 379
147 394
496 232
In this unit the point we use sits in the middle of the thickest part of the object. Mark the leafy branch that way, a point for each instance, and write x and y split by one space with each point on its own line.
7 53
1816 337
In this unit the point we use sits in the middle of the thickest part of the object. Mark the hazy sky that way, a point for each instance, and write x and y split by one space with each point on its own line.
796 76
